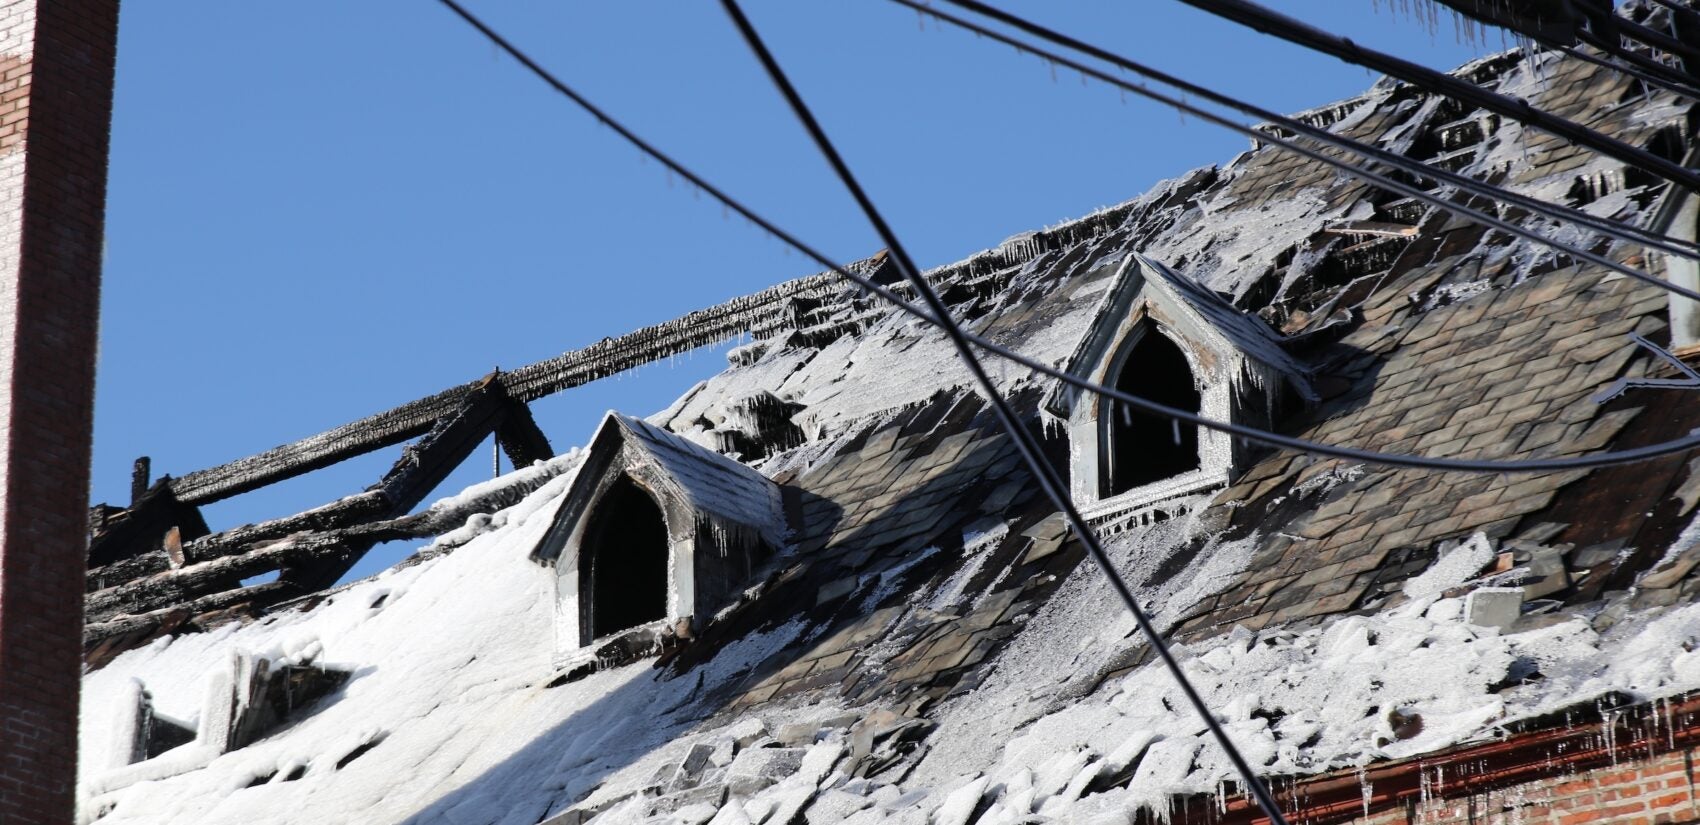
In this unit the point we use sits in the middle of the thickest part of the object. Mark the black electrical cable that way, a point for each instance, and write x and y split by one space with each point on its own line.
1659 40
1264 20
1643 62
1643 74
1602 225
1253 434
1041 468
1366 175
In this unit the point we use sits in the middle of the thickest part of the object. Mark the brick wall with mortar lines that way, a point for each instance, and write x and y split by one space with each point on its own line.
56 74
1656 791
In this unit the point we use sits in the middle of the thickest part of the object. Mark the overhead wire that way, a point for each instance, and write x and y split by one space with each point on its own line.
961 339
1642 62
1649 36
1366 175
1686 249
1267 21
1031 453
1641 73
1241 431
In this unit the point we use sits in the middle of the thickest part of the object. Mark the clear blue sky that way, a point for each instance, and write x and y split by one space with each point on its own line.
319 210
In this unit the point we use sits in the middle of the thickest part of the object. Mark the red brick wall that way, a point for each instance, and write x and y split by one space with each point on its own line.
1633 792
56 71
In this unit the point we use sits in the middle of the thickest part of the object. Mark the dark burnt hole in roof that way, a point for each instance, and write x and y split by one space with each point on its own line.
1431 141
359 751
163 734
1145 448
626 549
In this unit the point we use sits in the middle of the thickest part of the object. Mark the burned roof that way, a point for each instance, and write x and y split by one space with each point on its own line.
1208 312
708 483
935 646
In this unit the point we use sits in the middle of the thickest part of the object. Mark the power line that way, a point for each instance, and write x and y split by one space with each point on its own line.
1367 175
1633 68
1416 167
1657 39
1264 20
1253 434
1024 441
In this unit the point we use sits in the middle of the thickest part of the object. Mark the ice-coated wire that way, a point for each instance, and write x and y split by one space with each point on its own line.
1253 434
1041 468
1605 226
1643 74
1369 176
1267 21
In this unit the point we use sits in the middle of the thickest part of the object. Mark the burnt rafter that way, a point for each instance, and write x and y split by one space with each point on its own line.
521 438
123 534
422 466
148 585
758 314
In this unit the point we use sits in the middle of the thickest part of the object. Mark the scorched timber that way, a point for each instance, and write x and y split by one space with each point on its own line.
751 313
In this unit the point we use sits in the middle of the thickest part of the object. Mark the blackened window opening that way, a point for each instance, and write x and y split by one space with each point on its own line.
1144 448
625 545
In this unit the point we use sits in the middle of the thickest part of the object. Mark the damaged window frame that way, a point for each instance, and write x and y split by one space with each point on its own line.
722 521
1237 368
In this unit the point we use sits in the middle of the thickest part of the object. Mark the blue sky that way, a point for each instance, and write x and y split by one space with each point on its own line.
319 210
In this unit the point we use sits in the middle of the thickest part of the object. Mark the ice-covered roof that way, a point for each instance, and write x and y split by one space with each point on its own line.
709 484
1139 280
935 649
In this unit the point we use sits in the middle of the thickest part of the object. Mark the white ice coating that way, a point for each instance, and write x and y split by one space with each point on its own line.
449 671
449 668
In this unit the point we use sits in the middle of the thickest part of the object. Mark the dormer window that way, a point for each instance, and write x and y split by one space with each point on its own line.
654 535
1142 448
1160 336
622 581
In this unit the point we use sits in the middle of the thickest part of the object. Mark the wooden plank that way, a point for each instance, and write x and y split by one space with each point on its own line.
599 360
420 469
385 429
348 512
143 527
521 438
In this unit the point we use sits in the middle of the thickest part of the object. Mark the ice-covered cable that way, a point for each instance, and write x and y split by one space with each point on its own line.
1367 175
1267 21
1031 453
1253 434
1605 226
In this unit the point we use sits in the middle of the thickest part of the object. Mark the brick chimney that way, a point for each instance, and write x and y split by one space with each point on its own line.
56 71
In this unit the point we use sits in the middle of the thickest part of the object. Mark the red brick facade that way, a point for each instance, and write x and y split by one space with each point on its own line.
56 73
1656 791
1629 766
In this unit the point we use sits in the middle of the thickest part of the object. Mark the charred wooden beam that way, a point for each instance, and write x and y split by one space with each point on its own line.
1545 21
521 438
142 528
103 640
421 468
357 509
140 479
609 356
375 432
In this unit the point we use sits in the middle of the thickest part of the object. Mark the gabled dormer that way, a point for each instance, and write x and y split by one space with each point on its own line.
1161 336
654 531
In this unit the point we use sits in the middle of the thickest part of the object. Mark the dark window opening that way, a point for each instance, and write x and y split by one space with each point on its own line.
625 555
1143 448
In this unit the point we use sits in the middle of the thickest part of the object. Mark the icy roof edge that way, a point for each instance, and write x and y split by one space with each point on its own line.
1244 333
